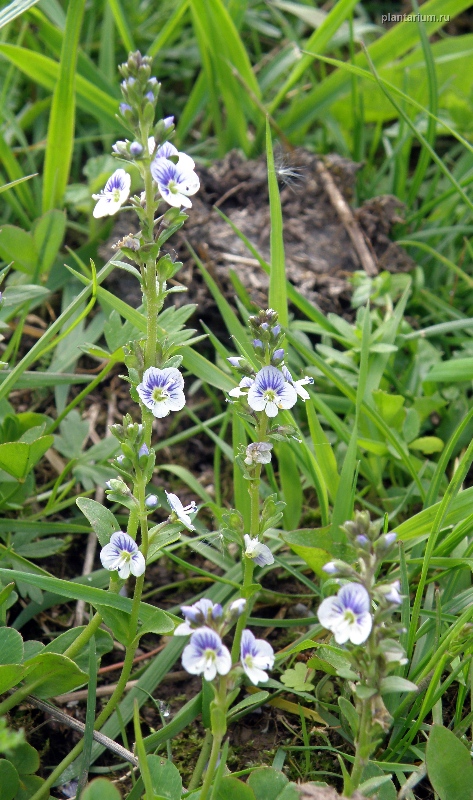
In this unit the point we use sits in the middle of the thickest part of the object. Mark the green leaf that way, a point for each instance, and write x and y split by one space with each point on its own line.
60 137
349 712
254 699
9 779
102 520
18 246
428 444
296 678
316 547
25 759
91 595
14 9
103 644
48 233
10 675
385 790
393 683
101 789
56 674
19 458
233 789
267 783
45 72
449 765
277 278
118 622
11 646
334 656
165 778
290 484
390 407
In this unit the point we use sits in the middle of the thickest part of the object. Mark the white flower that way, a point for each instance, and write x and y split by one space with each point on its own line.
113 195
161 390
270 391
392 592
122 554
206 655
181 511
197 615
257 551
347 614
256 655
176 181
167 150
298 385
393 652
258 453
245 383
237 607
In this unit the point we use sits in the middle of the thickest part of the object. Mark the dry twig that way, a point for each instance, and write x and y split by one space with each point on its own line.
348 221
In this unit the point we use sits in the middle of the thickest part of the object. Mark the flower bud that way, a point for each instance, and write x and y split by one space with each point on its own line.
136 149
330 568
235 360
391 592
258 344
151 501
258 453
117 485
237 607
278 356
167 122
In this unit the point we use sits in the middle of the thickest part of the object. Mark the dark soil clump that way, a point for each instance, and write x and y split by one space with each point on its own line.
320 255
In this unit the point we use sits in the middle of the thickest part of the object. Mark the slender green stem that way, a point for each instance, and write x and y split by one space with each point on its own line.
43 791
201 761
249 565
17 697
362 748
240 626
213 761
90 629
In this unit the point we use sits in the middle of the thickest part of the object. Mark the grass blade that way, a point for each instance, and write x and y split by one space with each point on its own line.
277 277
60 140
317 42
45 72
395 42
14 10
122 25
